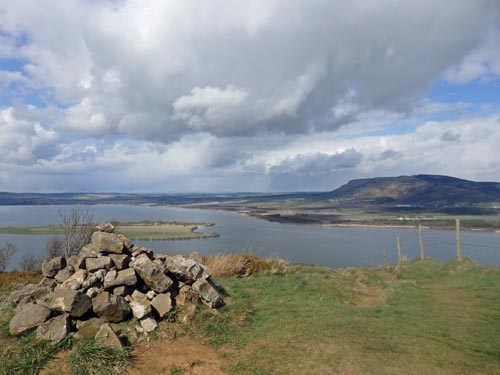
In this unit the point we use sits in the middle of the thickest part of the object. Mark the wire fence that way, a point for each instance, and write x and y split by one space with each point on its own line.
410 247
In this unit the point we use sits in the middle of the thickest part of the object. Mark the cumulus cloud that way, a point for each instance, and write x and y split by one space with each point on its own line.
237 95
239 68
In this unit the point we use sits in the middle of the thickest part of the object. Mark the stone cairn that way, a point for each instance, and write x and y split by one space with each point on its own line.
109 282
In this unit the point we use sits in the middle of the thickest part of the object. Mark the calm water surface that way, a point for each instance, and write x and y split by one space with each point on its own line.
328 246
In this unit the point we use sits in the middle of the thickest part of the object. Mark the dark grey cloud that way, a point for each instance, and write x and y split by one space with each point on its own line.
317 164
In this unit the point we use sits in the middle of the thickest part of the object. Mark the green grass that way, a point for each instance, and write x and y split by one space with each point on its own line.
431 318
89 358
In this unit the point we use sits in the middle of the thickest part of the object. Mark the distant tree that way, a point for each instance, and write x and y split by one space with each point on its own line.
31 263
77 226
6 252
54 248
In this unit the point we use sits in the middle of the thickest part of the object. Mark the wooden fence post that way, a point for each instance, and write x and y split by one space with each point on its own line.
421 242
385 257
457 235
399 249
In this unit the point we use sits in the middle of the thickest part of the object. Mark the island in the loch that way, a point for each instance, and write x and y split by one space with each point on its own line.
145 230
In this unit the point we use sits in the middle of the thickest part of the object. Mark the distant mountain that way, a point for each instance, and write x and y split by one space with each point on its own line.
418 190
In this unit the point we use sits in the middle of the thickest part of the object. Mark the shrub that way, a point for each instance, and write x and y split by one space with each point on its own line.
6 252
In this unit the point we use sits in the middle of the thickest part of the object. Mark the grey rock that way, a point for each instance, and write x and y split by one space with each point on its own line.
140 308
121 290
186 296
150 294
89 251
162 304
88 328
110 308
50 267
148 324
106 227
126 242
73 302
64 274
152 274
121 261
185 269
92 292
107 337
74 261
30 316
16 296
107 242
75 281
123 277
207 293
138 250
94 264
54 329
109 278
137 296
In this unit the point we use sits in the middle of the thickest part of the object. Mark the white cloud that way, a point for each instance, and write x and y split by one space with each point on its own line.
158 95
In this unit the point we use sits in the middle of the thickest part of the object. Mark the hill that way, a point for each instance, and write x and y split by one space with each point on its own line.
418 190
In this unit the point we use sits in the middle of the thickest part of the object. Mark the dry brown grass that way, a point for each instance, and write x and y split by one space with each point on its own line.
16 279
241 265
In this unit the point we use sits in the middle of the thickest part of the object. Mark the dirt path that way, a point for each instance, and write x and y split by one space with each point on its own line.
182 356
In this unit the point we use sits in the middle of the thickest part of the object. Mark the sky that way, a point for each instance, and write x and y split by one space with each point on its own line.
245 96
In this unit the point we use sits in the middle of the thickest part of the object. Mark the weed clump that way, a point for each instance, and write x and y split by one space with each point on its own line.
241 265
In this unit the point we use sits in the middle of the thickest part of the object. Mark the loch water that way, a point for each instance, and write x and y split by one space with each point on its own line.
327 246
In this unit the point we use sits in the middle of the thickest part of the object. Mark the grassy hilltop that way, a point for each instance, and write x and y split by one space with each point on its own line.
420 317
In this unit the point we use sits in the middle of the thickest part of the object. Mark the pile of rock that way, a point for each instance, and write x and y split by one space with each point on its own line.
110 281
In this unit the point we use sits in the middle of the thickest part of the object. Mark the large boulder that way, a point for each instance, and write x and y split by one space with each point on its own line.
107 242
50 267
54 329
152 274
110 308
30 316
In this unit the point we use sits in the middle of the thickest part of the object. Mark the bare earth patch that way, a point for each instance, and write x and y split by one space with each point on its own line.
182 355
